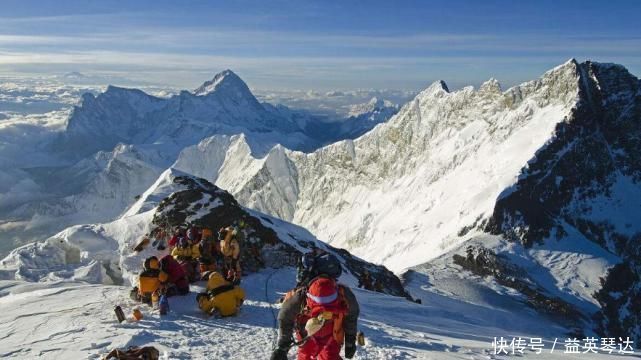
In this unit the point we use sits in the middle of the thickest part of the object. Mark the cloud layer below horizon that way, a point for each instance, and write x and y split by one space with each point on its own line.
311 47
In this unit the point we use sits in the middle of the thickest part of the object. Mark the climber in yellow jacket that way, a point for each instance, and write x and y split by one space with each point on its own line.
187 254
148 281
185 251
222 298
230 250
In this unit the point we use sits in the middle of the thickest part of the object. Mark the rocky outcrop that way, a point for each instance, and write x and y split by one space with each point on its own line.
482 261
586 182
267 242
620 300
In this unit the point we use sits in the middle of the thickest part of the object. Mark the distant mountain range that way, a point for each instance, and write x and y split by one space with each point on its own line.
531 192
114 145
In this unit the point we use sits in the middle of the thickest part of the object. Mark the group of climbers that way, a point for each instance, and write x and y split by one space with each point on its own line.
195 255
319 315
198 251
365 282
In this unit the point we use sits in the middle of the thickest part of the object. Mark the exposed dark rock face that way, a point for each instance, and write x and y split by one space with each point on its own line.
206 205
620 300
484 262
577 183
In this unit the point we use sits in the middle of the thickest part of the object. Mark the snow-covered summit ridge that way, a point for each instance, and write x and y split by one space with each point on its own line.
446 156
374 105
584 187
566 230
76 172
227 80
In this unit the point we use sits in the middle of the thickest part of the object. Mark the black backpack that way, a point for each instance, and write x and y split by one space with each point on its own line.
326 264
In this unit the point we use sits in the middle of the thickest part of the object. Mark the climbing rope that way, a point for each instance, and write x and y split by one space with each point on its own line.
271 308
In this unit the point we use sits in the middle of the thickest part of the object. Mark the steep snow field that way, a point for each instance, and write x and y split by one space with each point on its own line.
400 194
75 320
459 316
568 269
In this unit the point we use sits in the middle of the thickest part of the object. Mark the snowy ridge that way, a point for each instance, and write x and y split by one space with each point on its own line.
81 248
550 169
91 166
102 253
446 156
584 186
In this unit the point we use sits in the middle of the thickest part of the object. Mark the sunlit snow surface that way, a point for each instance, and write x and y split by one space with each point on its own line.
458 320
400 194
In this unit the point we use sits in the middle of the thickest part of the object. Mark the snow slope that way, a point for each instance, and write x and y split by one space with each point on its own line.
84 325
550 167
102 253
435 167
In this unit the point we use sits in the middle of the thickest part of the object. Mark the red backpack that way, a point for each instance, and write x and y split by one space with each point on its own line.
326 300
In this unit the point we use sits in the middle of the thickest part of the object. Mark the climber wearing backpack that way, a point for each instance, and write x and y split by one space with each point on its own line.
194 234
178 234
187 253
148 281
320 316
365 281
209 253
173 279
230 249
222 298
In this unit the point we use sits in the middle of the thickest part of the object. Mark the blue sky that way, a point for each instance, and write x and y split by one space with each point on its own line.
318 45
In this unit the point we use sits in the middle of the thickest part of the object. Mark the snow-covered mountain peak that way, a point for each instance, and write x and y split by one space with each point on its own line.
227 81
436 87
376 102
373 107
492 86
422 158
